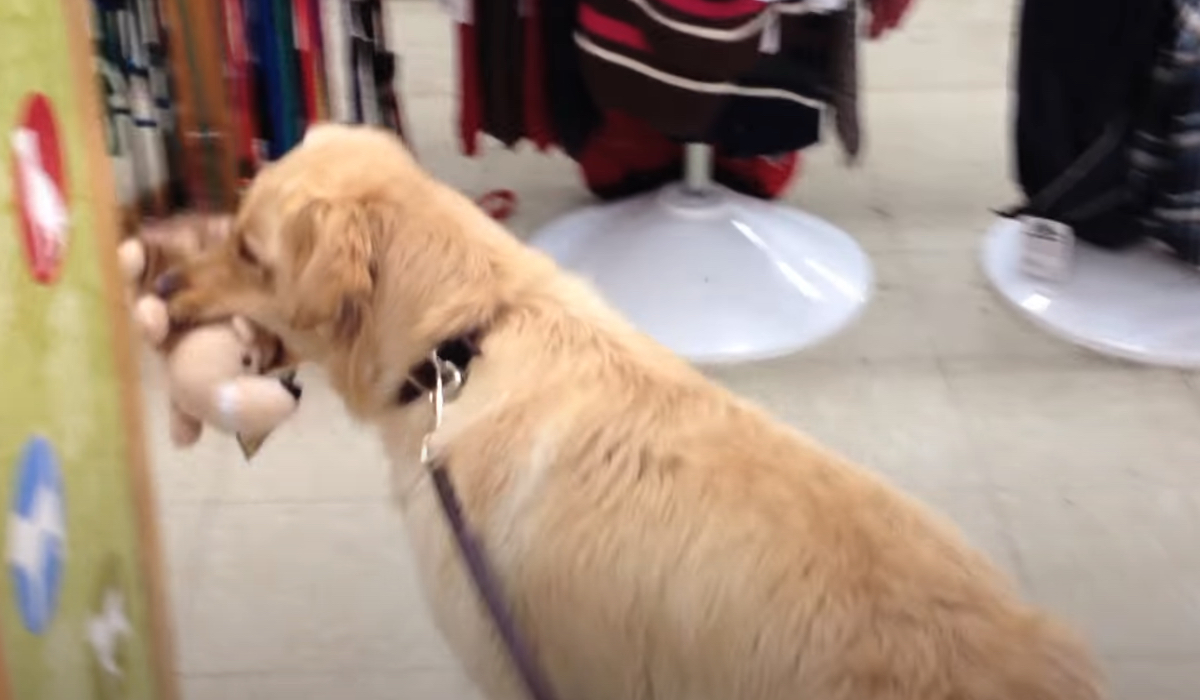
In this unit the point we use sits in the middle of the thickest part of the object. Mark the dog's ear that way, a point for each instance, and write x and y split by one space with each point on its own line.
334 245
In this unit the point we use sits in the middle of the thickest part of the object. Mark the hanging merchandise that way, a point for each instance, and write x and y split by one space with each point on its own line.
750 77
764 177
373 68
240 72
1106 113
387 72
1080 76
1166 154
148 137
162 91
802 61
843 76
620 85
317 46
518 72
335 39
270 27
570 107
501 56
538 128
250 76
626 157
470 112
195 39
362 77
118 122
199 95
306 59
885 15
135 139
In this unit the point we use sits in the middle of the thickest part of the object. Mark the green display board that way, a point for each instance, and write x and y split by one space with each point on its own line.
80 606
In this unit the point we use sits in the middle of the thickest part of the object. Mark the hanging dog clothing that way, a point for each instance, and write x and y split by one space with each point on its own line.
626 157
1165 174
750 76
1080 72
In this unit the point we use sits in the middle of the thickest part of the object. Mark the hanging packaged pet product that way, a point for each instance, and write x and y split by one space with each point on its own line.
82 609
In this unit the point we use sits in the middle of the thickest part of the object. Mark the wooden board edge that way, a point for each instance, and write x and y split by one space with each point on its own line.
162 646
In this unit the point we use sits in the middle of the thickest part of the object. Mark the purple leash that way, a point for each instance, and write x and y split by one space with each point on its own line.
471 549
488 587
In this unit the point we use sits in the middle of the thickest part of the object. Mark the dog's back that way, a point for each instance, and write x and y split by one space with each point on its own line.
663 539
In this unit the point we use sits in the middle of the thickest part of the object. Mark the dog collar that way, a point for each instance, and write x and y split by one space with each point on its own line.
422 378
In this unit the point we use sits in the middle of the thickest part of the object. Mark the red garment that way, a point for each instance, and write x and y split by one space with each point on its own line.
886 15
470 109
241 86
305 45
537 119
627 157
765 177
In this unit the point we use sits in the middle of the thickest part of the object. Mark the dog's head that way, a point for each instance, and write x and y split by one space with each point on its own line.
302 258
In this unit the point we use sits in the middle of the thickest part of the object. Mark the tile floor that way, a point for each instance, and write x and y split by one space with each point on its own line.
1081 476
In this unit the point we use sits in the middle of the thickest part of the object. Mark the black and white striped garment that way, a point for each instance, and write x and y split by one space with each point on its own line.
1165 145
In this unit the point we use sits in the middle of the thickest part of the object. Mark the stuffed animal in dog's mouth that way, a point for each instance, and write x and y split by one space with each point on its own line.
228 374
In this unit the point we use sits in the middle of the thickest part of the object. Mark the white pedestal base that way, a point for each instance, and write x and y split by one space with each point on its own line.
1140 305
718 276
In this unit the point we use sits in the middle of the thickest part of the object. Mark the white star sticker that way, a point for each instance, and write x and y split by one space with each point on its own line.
27 540
106 629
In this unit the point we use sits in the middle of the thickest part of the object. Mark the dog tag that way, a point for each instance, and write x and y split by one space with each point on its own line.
1046 248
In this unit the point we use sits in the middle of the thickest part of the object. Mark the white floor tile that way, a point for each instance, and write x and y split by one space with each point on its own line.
1161 679
1132 614
418 684
1065 429
307 588
944 45
1104 533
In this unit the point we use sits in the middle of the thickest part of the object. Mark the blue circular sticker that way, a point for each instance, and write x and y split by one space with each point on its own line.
37 534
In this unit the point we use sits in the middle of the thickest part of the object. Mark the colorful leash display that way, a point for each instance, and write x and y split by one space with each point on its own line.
205 131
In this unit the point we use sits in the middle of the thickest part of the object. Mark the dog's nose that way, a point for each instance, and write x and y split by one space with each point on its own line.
168 284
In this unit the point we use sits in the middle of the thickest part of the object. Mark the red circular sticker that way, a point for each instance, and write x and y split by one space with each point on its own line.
39 189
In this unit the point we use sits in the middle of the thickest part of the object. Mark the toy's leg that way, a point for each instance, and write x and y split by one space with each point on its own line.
185 429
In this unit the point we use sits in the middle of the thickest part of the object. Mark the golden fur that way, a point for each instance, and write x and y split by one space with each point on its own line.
657 537
171 243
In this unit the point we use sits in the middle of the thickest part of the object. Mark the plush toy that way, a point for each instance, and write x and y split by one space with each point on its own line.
214 370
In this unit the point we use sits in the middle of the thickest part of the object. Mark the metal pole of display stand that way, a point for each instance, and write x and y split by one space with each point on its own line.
697 168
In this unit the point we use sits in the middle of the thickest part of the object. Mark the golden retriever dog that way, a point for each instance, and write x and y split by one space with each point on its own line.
656 537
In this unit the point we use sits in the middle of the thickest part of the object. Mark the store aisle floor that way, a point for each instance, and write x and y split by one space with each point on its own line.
291 578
